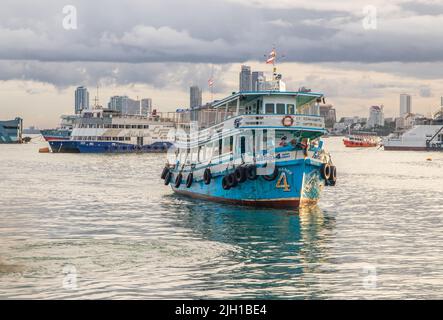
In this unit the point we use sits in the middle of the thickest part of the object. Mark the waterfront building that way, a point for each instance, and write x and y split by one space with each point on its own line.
405 104
81 99
245 79
328 112
195 96
257 77
125 105
11 131
376 117
146 106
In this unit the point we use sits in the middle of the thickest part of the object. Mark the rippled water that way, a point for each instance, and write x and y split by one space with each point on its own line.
103 226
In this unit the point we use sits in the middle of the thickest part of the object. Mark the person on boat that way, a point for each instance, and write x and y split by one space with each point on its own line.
283 141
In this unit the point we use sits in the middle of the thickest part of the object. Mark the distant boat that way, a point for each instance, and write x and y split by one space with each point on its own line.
61 133
423 137
354 141
418 138
108 131
11 131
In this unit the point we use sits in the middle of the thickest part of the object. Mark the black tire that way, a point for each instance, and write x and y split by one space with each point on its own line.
240 174
178 180
333 177
251 172
232 181
326 171
207 176
225 184
272 176
164 172
168 178
189 180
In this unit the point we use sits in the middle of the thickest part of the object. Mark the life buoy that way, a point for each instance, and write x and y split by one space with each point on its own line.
251 172
168 177
232 181
178 180
207 176
164 172
240 174
189 180
225 184
287 121
272 176
326 171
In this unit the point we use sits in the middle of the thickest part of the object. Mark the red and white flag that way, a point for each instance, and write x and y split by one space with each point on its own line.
211 83
271 57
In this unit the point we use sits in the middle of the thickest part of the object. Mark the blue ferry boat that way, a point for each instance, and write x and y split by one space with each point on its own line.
11 131
103 130
254 148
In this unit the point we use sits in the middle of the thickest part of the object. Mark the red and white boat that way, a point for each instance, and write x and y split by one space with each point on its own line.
354 141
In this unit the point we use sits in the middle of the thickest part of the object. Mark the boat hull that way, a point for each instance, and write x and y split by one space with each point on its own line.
72 146
297 184
405 148
352 144
55 135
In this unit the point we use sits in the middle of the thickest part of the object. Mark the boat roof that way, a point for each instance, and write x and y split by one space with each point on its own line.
251 95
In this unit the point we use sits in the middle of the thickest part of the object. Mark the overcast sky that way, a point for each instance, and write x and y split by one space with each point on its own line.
157 49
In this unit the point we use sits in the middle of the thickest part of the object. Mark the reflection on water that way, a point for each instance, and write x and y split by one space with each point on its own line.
274 249
105 227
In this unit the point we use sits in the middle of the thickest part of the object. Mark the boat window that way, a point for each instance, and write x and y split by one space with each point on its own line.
227 145
291 109
201 154
269 108
194 155
243 145
281 109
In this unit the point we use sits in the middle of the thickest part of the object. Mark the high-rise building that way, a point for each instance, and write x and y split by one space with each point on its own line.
376 117
329 114
245 79
125 105
195 94
405 104
146 106
81 99
256 77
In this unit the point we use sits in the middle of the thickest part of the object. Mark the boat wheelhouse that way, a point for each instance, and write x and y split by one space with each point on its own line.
108 131
253 148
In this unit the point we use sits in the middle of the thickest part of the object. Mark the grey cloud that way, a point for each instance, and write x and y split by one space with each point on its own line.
423 8
159 75
156 41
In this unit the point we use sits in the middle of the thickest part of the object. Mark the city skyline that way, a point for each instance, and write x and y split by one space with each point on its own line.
326 49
